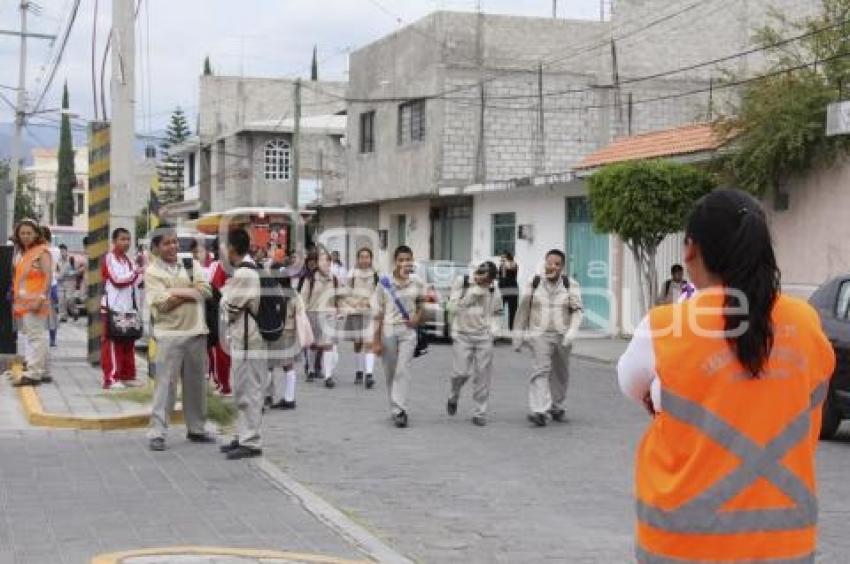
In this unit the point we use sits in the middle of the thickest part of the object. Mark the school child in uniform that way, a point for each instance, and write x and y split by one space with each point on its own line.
477 308
362 285
398 313
284 352
321 295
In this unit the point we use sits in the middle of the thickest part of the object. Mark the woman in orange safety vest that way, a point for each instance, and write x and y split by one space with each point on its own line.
31 300
735 378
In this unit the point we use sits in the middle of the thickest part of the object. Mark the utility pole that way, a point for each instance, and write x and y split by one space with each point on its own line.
554 9
7 199
125 200
296 146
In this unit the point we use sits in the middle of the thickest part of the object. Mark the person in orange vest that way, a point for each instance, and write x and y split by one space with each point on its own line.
735 378
31 300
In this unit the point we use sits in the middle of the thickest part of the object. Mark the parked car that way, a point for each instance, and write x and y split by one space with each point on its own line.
832 301
438 276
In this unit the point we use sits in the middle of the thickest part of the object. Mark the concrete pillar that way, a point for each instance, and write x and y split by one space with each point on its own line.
124 196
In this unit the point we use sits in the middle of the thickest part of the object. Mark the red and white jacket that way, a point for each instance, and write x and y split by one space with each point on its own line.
119 282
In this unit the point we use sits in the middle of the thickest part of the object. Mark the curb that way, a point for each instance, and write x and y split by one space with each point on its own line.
36 416
119 557
335 519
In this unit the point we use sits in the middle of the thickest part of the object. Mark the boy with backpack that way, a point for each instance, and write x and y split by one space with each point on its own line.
284 351
320 291
241 310
548 319
476 307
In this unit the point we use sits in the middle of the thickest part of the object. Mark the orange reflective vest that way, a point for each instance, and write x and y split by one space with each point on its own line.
32 283
726 472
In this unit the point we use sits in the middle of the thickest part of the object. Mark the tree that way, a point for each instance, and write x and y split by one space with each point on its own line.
142 223
24 201
66 178
314 66
207 67
642 202
780 120
170 168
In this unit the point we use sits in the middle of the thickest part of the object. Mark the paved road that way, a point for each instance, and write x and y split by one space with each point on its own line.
444 491
67 496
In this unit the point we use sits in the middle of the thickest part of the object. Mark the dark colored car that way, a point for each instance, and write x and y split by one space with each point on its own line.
832 300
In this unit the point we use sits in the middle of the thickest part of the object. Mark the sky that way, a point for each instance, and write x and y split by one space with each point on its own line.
269 38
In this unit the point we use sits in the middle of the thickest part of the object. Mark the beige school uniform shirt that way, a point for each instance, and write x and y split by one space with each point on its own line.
361 288
410 293
240 302
475 310
320 293
554 309
187 319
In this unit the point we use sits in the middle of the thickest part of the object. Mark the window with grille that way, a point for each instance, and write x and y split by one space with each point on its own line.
367 132
411 122
277 160
504 233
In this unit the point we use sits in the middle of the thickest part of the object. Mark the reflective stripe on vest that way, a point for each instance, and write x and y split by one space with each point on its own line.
644 557
702 514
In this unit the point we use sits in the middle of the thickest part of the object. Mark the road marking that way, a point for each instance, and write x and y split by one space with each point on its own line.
119 557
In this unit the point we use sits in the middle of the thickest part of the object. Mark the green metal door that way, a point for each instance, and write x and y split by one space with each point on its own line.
587 262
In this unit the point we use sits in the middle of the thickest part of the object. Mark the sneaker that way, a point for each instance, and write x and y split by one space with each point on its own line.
451 406
559 415
329 383
358 378
283 404
232 445
243 451
46 379
116 386
200 438
538 419
157 444
132 383
370 381
311 376
400 419
479 421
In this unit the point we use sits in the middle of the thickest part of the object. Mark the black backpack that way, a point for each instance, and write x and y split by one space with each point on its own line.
535 282
492 287
271 313
211 305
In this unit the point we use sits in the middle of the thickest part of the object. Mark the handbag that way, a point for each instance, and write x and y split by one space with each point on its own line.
303 329
123 326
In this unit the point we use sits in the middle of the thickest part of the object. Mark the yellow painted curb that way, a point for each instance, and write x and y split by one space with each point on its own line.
119 557
37 417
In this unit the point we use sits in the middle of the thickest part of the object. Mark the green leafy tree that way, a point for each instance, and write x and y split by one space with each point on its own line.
643 202
207 67
170 168
780 121
24 199
142 224
66 178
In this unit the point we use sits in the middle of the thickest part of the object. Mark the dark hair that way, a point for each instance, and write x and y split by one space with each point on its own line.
39 236
508 255
730 228
160 233
676 268
366 250
46 234
402 250
489 269
118 231
239 241
63 246
557 253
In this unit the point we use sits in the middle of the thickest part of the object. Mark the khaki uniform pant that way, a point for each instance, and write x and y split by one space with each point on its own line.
473 357
33 329
399 344
550 375
67 291
249 378
180 358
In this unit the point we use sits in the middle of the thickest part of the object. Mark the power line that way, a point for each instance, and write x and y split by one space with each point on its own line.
58 59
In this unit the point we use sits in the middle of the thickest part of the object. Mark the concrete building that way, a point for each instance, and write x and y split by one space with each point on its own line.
43 175
243 155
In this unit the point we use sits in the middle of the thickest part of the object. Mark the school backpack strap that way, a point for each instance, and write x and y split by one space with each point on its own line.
465 286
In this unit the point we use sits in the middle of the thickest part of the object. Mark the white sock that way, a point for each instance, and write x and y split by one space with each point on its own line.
370 363
361 361
328 364
289 391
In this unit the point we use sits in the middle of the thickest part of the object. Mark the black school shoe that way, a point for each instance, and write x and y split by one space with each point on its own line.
559 415
232 445
451 406
538 419
200 438
157 445
370 381
243 451
400 419
358 378
311 376
283 404
26 381
330 383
